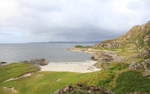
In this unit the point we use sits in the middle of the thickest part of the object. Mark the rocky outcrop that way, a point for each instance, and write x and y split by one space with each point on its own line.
108 44
41 62
65 90
84 88
145 53
106 56
138 37
136 41
145 65
141 66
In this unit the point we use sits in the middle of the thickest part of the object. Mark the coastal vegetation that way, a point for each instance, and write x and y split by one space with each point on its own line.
38 82
80 46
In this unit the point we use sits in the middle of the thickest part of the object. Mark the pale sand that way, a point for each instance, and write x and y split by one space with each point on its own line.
81 67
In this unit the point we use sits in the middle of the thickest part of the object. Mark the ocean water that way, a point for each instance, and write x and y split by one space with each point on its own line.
54 52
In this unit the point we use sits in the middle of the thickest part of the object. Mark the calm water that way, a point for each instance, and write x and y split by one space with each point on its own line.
54 52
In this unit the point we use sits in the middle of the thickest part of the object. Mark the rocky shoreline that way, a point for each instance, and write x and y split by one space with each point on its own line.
100 56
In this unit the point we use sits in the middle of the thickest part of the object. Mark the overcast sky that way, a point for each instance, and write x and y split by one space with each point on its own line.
69 20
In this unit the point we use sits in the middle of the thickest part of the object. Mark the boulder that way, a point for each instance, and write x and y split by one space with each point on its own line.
106 56
144 66
136 66
65 90
12 90
145 53
3 63
41 62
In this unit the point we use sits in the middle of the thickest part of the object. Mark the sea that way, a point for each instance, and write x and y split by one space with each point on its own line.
52 51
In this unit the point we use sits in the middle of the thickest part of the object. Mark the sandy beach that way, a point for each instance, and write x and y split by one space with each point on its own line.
81 67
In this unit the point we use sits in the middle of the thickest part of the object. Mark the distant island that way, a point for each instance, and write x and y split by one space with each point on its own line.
124 64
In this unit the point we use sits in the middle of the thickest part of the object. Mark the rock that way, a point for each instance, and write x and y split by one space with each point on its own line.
44 62
102 56
138 93
12 90
145 53
83 88
41 62
136 66
65 90
94 58
106 56
3 63
146 73
145 66
108 44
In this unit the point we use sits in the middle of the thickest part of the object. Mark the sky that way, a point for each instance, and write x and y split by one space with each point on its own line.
24 21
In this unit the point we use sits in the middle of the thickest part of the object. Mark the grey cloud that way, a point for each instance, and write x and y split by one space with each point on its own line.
77 20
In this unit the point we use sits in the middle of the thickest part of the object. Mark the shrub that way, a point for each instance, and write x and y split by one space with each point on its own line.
132 81
78 46
118 66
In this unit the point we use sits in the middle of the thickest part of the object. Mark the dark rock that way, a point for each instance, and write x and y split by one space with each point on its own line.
93 58
3 63
41 62
83 87
138 93
65 90
107 56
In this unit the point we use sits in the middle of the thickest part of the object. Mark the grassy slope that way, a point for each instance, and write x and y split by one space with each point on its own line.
39 82
116 78
132 81
15 70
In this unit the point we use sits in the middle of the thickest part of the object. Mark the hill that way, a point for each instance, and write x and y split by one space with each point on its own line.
137 38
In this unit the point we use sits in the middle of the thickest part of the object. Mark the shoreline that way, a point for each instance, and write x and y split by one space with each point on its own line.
80 67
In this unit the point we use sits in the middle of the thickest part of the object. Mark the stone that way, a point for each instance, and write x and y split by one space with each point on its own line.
2 63
145 66
106 56
83 87
65 90
41 62
11 89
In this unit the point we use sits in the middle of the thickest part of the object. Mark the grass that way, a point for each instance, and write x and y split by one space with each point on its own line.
39 82
16 69
132 81
80 46
50 82
43 82
3 91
